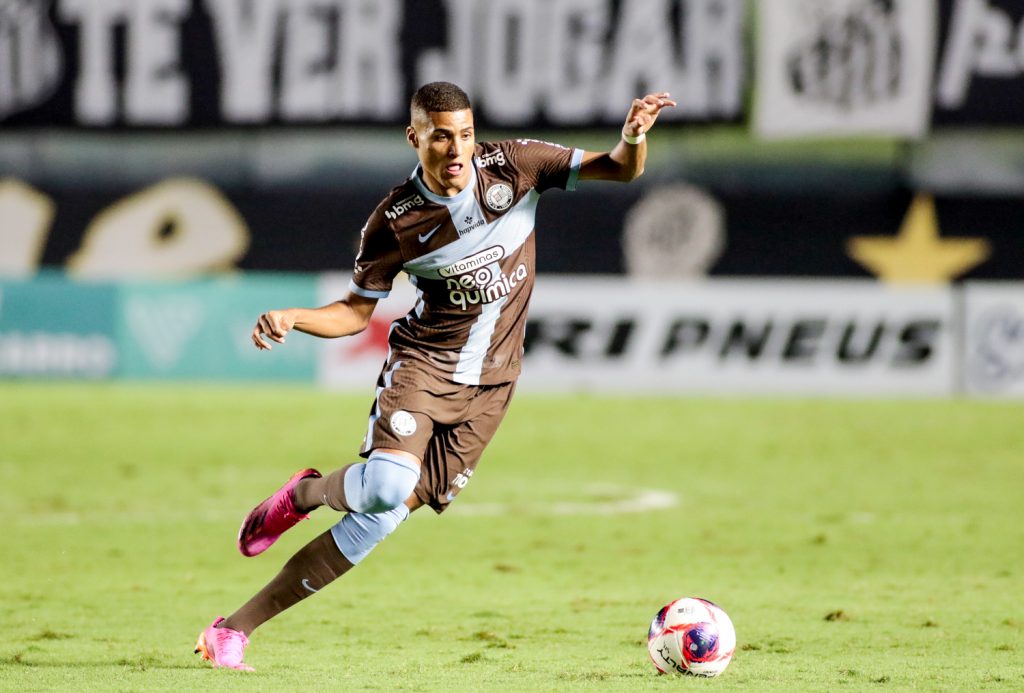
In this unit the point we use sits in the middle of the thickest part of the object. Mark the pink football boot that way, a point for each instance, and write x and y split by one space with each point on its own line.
272 518
223 646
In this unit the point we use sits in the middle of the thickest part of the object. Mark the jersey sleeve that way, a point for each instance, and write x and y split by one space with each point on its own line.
379 259
548 165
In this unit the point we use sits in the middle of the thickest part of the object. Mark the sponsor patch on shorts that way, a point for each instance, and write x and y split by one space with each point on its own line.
403 423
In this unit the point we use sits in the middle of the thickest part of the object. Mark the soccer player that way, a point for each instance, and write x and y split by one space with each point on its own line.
461 227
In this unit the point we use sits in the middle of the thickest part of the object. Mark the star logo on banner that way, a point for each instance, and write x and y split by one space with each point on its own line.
917 254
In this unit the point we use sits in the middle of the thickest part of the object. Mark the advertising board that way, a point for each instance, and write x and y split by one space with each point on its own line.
994 339
201 330
52 328
751 337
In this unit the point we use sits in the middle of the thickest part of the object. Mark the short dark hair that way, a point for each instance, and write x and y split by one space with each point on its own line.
440 97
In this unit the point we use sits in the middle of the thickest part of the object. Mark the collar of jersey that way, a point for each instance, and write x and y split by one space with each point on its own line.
417 179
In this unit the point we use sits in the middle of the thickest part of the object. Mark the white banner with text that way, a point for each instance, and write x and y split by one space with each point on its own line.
751 337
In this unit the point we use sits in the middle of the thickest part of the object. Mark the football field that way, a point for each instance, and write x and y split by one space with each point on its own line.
857 545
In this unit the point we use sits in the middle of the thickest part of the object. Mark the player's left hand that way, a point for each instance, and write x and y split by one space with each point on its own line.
644 112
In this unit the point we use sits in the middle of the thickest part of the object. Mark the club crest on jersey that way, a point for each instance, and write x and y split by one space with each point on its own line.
403 423
499 197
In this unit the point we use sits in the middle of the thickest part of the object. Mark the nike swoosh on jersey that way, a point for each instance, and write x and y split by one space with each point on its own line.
305 583
426 236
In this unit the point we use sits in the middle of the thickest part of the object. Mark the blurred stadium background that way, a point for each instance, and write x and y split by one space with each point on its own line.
835 207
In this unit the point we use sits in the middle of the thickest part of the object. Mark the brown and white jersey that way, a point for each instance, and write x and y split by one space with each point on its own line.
470 257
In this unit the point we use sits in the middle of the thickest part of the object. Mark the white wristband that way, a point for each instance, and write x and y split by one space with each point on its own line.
630 139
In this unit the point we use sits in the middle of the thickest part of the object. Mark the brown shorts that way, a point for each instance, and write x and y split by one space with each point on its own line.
447 425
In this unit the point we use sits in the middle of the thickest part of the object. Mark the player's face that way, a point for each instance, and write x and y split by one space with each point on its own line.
444 141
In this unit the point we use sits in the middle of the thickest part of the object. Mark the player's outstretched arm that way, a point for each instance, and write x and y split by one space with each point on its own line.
625 162
339 319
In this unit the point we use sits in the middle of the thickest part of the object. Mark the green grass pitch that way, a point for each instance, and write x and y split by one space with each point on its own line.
857 545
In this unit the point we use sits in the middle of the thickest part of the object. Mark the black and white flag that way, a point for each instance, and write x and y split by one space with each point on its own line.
844 67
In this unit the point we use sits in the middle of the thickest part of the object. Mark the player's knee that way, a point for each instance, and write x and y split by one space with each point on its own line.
357 533
381 484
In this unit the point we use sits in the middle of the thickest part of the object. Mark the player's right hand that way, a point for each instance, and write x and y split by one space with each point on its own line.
274 324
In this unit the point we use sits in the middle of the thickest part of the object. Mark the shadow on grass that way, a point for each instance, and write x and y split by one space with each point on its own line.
18 660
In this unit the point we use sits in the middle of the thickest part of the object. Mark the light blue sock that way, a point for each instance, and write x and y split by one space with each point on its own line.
357 533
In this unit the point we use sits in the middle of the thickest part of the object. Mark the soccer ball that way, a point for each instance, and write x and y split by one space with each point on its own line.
691 636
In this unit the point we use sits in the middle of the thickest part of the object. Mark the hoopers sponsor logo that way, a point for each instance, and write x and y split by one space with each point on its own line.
403 206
